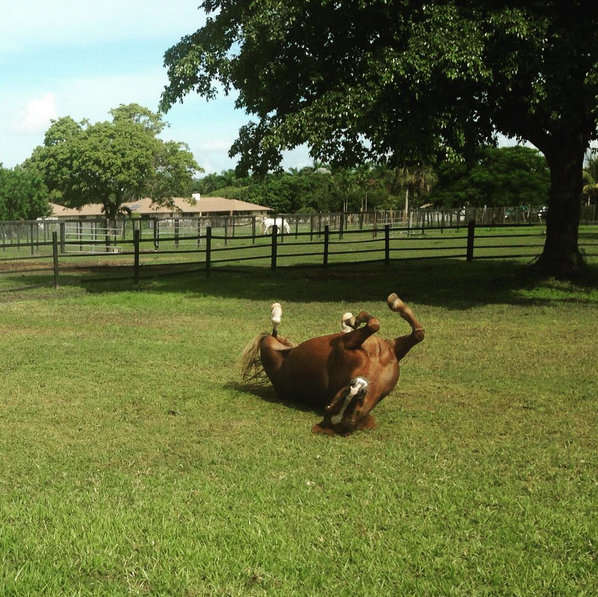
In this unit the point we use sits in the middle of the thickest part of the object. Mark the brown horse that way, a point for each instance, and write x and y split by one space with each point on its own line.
344 374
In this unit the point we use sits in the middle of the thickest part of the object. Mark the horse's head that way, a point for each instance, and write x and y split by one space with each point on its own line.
350 410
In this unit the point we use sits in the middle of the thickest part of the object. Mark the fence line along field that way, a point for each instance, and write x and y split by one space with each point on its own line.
134 463
155 246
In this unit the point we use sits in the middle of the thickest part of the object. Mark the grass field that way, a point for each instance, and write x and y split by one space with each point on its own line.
132 462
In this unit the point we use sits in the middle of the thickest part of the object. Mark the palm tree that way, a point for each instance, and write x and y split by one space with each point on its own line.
417 181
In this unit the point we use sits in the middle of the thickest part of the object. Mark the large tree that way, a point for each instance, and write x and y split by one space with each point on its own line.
404 80
23 195
113 162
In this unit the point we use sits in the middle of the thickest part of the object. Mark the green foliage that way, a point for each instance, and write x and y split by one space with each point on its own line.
23 195
507 176
286 193
394 79
232 192
114 161
323 188
212 182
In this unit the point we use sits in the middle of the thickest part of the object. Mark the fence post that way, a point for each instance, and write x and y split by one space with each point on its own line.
274 246
55 257
296 226
326 244
253 230
341 226
32 245
177 231
136 261
156 234
62 237
387 244
225 231
470 239
107 235
208 250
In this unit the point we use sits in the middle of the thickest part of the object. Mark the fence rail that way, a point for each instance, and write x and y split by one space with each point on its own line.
136 255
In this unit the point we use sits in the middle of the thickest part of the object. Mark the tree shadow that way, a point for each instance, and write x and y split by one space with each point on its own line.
451 284
448 283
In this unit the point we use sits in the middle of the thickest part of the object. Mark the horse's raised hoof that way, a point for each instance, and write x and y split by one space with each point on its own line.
276 318
395 303
347 323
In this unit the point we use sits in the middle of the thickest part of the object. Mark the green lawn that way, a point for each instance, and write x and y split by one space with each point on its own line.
133 464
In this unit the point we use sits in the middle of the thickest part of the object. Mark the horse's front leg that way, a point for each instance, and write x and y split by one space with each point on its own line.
354 339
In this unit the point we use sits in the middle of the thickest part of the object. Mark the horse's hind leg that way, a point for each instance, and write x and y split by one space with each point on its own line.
404 344
276 318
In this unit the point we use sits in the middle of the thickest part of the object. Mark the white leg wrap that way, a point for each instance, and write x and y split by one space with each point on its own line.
346 320
276 315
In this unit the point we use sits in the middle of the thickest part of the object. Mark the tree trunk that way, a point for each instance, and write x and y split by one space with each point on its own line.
561 257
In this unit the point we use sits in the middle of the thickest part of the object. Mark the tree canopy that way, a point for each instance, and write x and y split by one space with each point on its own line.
404 81
113 162
506 176
23 195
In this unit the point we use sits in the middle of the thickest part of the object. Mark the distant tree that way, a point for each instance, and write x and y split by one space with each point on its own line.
506 176
417 181
213 181
404 80
232 192
113 162
284 192
23 195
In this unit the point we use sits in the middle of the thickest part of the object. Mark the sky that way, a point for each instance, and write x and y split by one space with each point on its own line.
81 58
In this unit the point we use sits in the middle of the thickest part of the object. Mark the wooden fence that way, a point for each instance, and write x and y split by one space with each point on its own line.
141 256
106 234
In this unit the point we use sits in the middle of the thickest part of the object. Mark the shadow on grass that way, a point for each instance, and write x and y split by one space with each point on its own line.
451 284
267 394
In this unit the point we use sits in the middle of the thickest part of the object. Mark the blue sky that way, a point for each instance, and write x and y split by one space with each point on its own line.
82 58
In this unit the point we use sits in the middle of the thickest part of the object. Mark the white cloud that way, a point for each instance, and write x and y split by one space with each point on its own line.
37 115
215 146
94 96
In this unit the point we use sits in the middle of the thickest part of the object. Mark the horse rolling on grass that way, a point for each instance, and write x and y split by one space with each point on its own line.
344 375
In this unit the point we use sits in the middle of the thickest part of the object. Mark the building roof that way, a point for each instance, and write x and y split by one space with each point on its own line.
93 209
204 205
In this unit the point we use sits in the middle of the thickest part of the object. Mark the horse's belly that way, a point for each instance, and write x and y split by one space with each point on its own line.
304 376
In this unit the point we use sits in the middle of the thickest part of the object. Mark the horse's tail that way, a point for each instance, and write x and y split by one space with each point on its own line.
252 370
